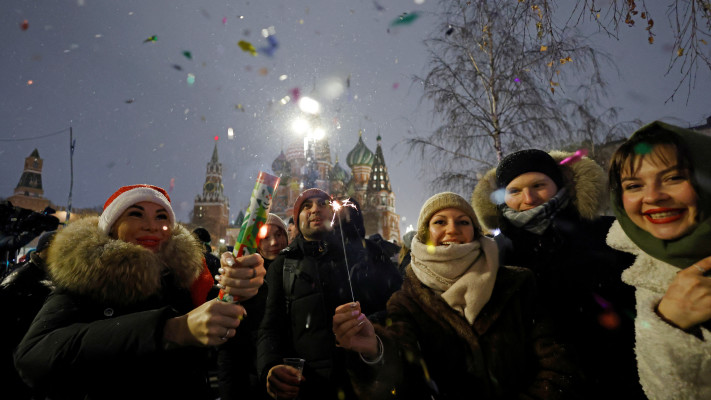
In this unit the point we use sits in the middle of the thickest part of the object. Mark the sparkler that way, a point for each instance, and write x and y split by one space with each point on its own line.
337 207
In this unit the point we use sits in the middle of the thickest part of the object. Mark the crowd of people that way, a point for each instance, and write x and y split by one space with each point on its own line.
527 290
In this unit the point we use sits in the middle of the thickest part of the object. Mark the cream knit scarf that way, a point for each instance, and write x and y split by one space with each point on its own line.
463 274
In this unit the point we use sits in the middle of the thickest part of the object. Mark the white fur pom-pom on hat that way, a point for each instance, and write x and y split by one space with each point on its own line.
127 196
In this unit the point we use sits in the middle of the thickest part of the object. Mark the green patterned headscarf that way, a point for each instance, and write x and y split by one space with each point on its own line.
696 244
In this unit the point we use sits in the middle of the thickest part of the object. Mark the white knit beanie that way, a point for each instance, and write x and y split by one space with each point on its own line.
127 196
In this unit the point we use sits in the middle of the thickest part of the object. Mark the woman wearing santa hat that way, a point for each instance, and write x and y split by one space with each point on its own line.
129 316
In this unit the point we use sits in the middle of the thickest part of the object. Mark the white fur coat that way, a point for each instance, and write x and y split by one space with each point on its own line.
672 363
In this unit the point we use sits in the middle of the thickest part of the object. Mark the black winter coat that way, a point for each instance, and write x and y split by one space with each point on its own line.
100 334
22 294
237 359
300 324
580 286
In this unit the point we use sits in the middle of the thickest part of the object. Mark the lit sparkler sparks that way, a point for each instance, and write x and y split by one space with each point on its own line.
336 207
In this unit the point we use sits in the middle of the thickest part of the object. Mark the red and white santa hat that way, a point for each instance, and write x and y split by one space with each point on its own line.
127 196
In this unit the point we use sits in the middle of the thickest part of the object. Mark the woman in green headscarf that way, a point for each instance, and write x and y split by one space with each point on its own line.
661 194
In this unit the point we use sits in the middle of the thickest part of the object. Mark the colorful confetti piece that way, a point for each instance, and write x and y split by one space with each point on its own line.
190 79
575 157
405 19
642 148
188 55
24 25
269 50
263 71
247 47
153 38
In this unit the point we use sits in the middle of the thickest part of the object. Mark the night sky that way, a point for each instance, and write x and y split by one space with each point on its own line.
138 116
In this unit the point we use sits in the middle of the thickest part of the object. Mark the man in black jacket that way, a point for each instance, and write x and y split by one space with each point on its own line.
306 283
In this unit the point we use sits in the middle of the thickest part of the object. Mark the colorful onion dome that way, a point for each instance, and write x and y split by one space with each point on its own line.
361 154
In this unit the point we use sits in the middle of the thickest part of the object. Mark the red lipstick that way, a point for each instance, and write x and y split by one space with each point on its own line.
664 215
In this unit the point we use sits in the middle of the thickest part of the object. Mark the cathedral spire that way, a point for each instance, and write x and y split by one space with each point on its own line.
379 178
215 159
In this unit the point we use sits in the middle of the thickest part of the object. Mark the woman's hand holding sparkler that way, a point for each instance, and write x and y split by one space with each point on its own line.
354 331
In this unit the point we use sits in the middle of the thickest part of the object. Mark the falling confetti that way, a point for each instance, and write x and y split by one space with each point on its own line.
30 82
609 319
230 133
517 80
191 79
247 47
129 101
378 6
239 107
295 94
450 30
396 85
575 157
217 138
224 20
172 185
188 55
283 77
153 38
177 67
498 196
269 50
643 148
25 25
263 71
405 19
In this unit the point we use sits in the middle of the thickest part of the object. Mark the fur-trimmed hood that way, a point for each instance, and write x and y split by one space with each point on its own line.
585 180
85 261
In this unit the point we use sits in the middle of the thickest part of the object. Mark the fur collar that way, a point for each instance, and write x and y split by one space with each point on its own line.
585 180
646 271
85 261
508 282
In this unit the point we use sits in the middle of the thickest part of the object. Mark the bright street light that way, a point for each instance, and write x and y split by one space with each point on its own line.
309 105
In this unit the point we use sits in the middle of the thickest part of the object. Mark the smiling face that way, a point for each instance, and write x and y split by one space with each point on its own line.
450 225
315 218
529 190
658 196
270 246
145 224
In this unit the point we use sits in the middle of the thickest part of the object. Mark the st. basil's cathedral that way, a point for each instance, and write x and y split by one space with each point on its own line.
367 182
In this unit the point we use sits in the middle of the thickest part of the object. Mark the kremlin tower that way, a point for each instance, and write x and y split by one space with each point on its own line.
212 208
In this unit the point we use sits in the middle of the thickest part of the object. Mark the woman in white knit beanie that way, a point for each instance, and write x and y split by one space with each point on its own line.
461 325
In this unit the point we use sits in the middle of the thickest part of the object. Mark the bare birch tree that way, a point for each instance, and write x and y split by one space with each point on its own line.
497 80
689 20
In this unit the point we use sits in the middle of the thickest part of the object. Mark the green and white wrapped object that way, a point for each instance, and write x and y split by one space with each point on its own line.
259 205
